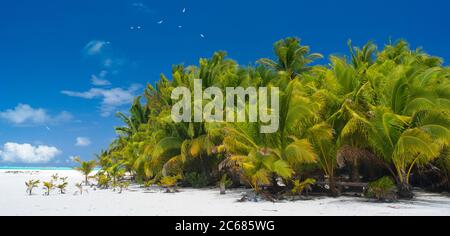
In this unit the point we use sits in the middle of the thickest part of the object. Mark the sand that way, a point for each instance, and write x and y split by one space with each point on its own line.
14 201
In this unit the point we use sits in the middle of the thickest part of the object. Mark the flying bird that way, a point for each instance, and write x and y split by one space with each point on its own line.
202 35
180 26
48 128
184 10
160 22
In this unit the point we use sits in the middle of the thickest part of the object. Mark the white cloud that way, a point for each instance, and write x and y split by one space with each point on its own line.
111 99
24 114
108 62
94 47
141 7
99 80
103 74
27 153
83 142
96 81
113 62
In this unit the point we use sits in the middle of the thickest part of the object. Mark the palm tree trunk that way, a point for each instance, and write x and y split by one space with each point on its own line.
334 192
223 189
405 191
404 188
355 172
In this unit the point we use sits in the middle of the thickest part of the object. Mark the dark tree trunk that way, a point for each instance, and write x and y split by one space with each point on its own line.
334 191
355 172
405 191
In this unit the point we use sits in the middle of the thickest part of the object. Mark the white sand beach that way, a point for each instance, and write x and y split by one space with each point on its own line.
14 201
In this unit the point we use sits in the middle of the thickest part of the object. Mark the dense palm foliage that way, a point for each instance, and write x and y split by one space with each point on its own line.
392 105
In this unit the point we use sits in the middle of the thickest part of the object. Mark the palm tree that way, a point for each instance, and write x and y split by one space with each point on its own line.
86 168
62 187
81 189
32 184
263 158
55 177
292 58
116 172
406 142
48 187
364 57
138 115
123 186
302 186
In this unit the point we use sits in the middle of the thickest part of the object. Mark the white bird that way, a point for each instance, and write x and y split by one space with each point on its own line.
139 27
48 128
131 28
202 35
160 22
180 26
184 10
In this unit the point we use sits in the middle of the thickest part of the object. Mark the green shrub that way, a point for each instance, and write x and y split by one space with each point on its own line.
170 183
300 187
103 180
197 180
382 189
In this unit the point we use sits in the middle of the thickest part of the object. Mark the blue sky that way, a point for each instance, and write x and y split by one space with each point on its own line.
67 66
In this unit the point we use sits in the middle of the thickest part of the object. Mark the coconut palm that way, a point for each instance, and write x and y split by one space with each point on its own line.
80 188
48 187
32 184
123 186
116 172
364 57
292 58
406 142
139 115
263 158
62 187
86 168
55 177
302 186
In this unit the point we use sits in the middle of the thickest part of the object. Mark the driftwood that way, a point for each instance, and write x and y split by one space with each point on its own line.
345 184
